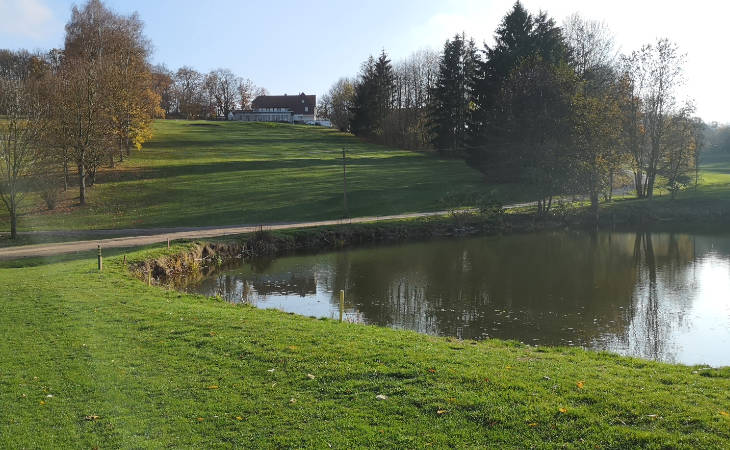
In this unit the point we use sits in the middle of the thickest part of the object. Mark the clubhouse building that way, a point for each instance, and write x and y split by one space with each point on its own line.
279 108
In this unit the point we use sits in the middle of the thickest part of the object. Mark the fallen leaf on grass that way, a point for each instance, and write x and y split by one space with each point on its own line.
381 397
580 384
200 419
42 402
441 411
310 376
271 370
533 424
563 410
432 370
92 417
292 347
239 418
292 400
724 413
213 386
508 367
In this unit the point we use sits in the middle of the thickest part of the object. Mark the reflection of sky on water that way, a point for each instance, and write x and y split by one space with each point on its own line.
689 324
656 296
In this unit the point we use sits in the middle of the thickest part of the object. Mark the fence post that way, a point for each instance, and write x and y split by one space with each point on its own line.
342 303
98 256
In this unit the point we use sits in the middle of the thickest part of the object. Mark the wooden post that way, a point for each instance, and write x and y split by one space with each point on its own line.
149 276
124 261
98 257
344 180
168 243
342 303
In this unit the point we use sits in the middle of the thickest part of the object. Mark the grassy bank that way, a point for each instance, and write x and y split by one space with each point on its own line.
223 173
708 201
100 359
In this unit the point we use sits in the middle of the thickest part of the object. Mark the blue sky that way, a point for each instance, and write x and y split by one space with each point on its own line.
293 46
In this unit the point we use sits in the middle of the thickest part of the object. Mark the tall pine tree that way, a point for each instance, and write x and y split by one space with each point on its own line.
452 97
373 96
520 37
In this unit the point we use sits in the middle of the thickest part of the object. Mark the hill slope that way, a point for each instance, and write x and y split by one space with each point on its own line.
224 173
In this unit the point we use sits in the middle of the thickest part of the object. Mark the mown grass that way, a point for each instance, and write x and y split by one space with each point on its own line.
225 173
709 200
165 369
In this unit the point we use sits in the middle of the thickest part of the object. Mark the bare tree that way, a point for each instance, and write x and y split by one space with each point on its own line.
680 150
21 141
163 85
632 84
246 90
223 87
591 45
664 76
336 104
188 92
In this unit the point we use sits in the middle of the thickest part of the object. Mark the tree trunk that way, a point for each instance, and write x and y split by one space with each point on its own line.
82 184
610 186
91 175
650 185
65 173
594 206
639 183
13 219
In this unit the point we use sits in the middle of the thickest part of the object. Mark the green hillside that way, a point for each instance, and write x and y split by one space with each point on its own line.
225 173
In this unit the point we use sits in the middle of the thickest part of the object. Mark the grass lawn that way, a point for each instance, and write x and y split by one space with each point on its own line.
710 197
226 173
91 359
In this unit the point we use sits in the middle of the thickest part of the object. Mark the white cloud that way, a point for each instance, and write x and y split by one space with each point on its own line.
25 18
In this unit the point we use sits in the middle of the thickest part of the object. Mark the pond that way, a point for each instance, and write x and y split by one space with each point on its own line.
660 296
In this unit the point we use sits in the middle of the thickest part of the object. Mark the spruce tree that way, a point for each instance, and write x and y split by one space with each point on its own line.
452 96
520 37
373 99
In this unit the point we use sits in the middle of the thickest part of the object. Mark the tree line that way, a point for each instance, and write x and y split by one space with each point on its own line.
189 94
552 107
66 112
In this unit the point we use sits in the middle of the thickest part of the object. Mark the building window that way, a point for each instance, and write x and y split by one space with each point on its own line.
306 109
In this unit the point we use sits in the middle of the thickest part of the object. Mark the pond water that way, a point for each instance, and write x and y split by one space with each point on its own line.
660 296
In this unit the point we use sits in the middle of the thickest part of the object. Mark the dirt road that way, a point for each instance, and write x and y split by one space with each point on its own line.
137 237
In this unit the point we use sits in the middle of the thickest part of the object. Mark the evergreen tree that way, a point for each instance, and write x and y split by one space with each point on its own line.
452 96
362 104
373 98
519 37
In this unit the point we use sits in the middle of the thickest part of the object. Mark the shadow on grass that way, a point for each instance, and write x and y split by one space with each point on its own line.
256 165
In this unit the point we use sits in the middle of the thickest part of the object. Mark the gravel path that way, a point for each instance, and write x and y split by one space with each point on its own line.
136 237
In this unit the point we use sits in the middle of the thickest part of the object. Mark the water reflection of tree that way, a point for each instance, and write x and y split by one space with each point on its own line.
439 286
650 330
600 289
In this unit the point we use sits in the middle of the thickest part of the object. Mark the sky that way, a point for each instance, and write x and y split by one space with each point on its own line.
290 46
